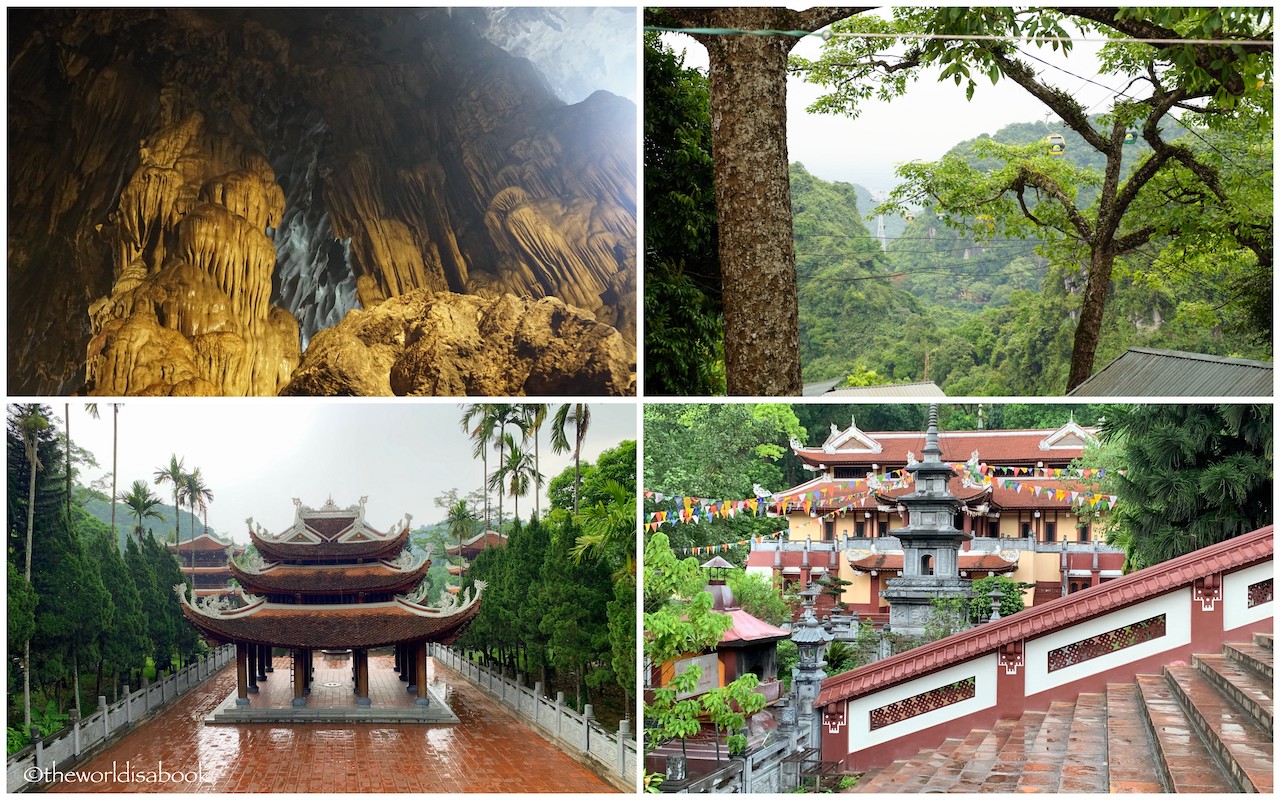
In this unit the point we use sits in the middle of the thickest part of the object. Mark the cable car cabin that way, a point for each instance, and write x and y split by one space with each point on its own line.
1130 136
911 217
1056 144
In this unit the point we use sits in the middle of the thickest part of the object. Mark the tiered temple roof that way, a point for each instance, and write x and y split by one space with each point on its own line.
332 581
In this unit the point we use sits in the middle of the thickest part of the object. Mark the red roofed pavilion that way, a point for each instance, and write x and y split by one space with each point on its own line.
331 582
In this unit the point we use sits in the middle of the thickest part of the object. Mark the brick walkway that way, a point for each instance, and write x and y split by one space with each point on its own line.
488 752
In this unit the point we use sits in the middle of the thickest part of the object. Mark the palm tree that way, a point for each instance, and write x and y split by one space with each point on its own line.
175 475
198 495
460 521
92 408
534 415
31 421
479 421
517 470
142 503
579 415
610 531
496 418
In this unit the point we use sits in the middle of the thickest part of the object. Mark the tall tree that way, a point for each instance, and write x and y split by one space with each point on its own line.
579 416
198 496
31 420
1195 475
1031 192
753 201
142 502
517 472
477 421
535 416
461 520
173 473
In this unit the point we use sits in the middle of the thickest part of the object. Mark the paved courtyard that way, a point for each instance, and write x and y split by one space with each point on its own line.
489 751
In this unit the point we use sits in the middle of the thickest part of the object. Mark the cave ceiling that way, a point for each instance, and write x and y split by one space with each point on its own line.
198 195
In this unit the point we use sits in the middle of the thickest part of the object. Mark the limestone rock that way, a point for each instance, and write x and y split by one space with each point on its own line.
441 343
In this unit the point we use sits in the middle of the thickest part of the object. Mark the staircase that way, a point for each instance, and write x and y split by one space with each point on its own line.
1204 727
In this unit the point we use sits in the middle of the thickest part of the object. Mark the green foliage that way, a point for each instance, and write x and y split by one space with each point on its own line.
719 451
1178 222
20 608
759 596
1196 475
684 329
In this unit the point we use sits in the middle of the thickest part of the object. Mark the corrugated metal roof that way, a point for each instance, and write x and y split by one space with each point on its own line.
819 388
1146 372
921 389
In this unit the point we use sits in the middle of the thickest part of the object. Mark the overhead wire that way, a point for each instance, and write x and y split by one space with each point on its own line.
963 37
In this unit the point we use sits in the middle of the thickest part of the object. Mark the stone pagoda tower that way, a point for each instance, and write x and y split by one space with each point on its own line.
930 542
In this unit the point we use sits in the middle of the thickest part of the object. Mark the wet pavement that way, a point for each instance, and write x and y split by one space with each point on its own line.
489 751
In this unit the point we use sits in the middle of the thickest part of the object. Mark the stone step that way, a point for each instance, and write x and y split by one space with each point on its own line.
1043 768
887 776
975 771
946 775
1004 773
1249 690
863 779
1253 657
925 772
1132 764
1267 640
1241 745
1185 761
1084 766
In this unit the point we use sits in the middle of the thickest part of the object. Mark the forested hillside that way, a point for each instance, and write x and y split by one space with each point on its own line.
955 302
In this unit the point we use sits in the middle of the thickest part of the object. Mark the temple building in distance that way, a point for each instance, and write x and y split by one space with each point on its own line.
330 582
204 559
1030 515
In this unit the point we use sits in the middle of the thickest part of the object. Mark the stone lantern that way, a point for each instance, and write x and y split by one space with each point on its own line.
811 640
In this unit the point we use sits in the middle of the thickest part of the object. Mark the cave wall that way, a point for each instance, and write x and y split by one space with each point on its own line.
195 194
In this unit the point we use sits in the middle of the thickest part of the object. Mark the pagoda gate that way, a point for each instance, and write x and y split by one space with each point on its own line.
330 582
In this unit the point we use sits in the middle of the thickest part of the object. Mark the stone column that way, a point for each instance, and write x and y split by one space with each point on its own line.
396 668
251 654
362 677
242 672
420 656
299 691
268 658
306 671
262 659
411 667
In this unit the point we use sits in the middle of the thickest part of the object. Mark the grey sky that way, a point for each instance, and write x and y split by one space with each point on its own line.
256 455
923 124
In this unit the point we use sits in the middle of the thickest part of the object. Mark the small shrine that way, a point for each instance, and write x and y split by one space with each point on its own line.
331 582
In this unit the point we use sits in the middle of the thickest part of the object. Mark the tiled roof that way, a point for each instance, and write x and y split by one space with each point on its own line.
1000 496
994 447
334 627
1147 372
376 548
325 579
1235 553
892 561
329 527
747 629
480 541
202 542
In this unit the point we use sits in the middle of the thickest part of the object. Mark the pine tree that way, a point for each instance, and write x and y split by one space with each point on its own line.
1196 475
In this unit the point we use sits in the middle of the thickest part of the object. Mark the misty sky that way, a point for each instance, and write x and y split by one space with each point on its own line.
921 125
256 455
